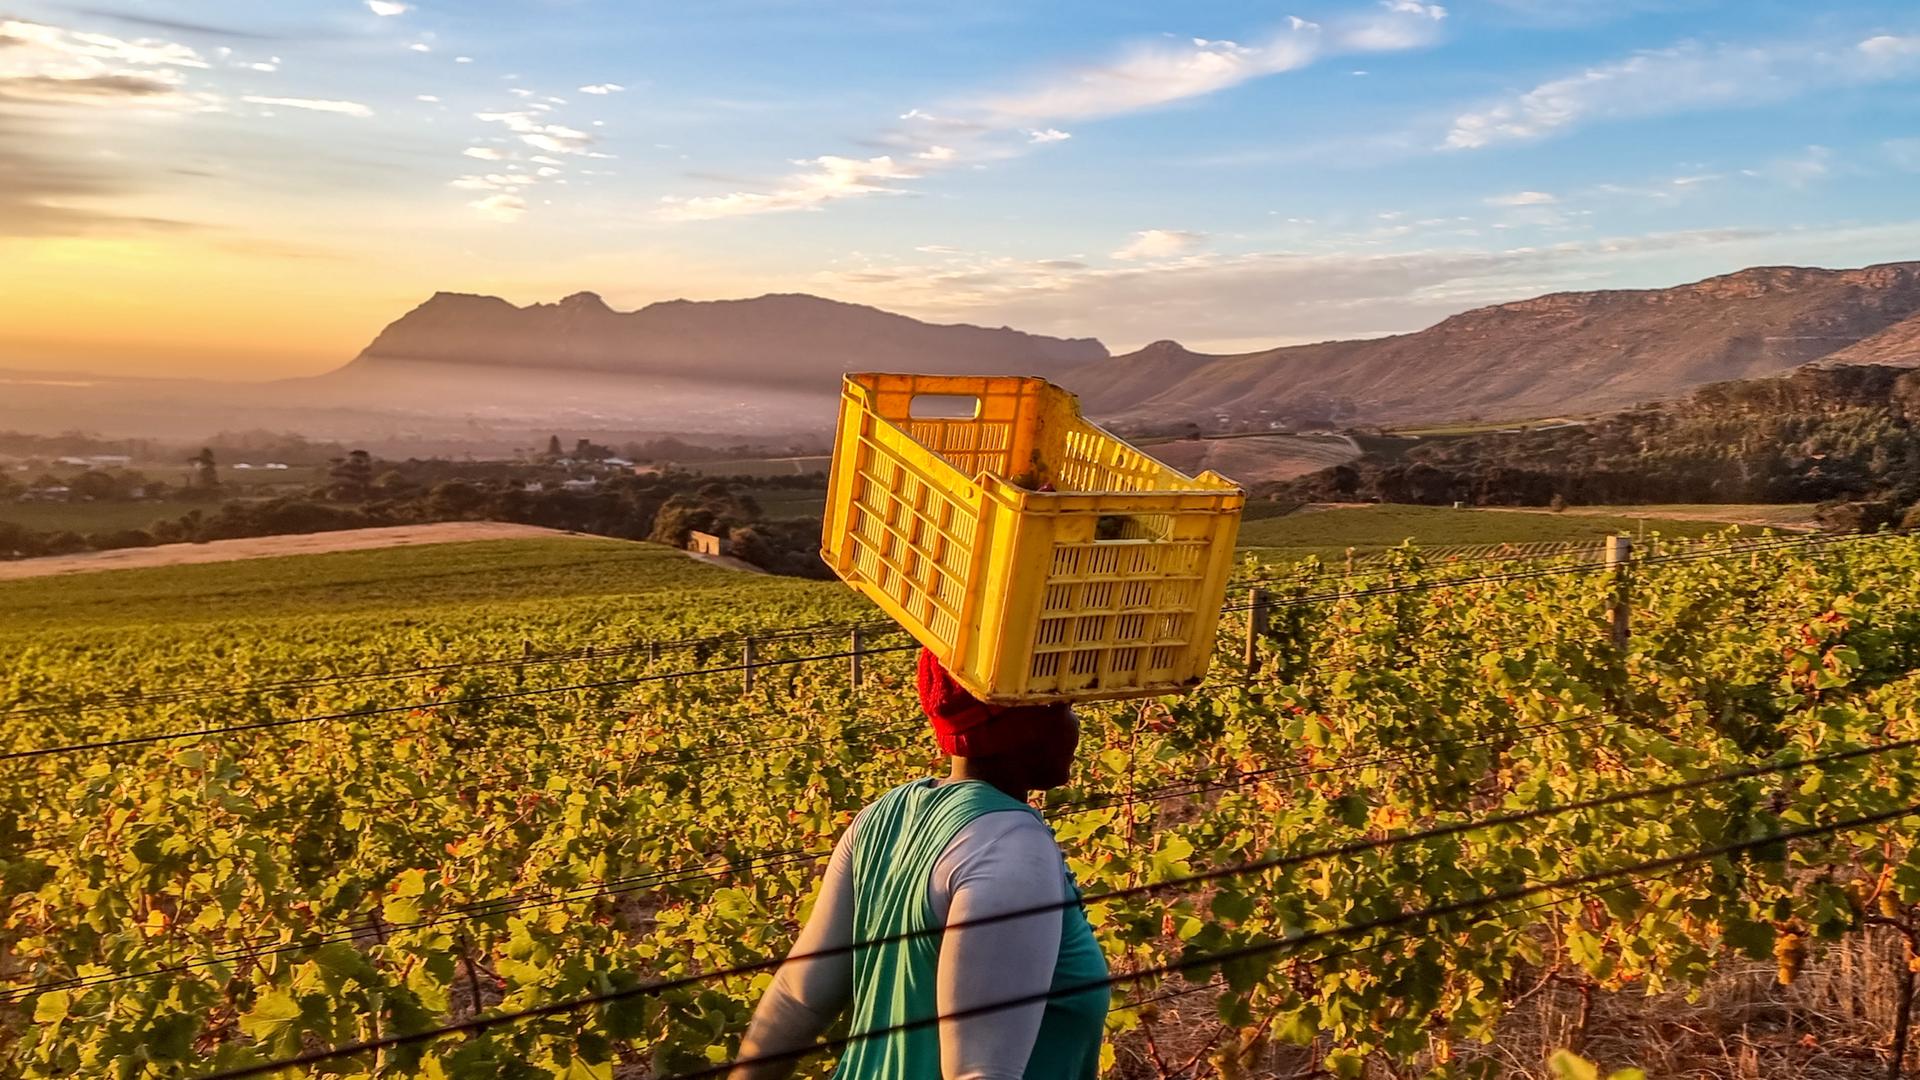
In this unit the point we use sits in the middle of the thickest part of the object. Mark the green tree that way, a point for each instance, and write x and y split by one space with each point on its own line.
352 477
206 473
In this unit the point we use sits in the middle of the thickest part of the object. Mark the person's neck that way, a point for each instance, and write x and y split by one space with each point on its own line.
983 771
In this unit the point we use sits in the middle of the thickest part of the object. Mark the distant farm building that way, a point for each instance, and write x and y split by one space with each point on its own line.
705 544
585 483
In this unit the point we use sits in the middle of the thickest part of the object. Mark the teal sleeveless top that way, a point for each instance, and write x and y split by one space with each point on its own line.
894 850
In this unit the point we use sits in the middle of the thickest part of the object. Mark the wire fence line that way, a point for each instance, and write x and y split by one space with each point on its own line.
1093 802
445 703
1289 945
1268 604
1167 791
486 909
208 691
655 648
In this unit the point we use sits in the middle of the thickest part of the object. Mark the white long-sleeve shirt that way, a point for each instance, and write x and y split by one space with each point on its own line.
998 862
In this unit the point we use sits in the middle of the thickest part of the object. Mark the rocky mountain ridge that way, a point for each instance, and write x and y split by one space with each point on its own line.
783 338
1558 353
778 358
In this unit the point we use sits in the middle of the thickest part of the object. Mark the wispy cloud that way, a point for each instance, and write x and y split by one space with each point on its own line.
532 129
1153 75
74 45
602 89
320 105
386 8
1160 244
176 26
1891 47
83 90
1796 171
504 206
827 179
1150 75
1231 301
998 124
45 192
1685 77
511 181
56 66
1523 198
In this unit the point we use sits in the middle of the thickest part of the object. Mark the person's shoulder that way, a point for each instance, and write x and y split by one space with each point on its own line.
1021 826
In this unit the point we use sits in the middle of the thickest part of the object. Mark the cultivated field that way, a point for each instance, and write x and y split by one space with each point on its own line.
279 806
780 466
266 547
93 517
1328 531
1257 459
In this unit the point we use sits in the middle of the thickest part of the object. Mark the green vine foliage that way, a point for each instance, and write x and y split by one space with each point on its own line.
180 906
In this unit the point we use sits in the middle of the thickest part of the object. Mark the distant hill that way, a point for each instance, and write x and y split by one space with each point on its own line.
768 367
1839 432
1896 346
1565 352
789 339
772 363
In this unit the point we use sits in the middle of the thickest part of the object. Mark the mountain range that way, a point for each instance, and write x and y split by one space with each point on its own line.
790 339
777 358
479 372
1573 352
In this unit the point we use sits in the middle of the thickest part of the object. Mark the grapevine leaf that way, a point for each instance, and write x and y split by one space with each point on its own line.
52 1007
275 1017
1567 1065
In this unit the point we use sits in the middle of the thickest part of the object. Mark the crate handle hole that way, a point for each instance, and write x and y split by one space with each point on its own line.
944 407
1118 528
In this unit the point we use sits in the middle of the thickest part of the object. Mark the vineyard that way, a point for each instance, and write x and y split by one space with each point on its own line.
526 811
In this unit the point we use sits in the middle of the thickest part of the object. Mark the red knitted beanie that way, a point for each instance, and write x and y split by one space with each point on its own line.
968 727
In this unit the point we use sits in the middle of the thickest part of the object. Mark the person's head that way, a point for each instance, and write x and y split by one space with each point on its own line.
1029 747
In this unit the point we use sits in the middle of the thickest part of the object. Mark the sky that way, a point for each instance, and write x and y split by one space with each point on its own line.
235 189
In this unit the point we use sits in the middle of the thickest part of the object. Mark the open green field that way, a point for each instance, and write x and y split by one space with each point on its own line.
789 504
786 466
1480 427
418 584
92 517
1780 515
1331 531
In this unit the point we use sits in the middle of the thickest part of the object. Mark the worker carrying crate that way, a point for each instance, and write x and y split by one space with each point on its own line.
1040 558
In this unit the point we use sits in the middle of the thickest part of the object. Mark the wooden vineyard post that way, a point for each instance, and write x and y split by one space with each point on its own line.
853 657
1256 629
653 652
1619 556
746 665
1903 1019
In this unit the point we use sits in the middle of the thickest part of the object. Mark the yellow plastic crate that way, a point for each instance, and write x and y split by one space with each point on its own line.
1108 587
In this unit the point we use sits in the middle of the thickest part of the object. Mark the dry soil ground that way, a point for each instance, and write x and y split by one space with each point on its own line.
261 547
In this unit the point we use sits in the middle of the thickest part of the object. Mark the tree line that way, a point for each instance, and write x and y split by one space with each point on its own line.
361 491
1845 437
